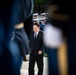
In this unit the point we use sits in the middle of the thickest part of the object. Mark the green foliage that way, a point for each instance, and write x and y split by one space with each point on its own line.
37 2
45 55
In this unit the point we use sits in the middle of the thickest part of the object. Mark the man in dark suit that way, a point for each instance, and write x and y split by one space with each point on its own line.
36 51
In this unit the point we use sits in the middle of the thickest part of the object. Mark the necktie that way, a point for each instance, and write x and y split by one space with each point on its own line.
35 35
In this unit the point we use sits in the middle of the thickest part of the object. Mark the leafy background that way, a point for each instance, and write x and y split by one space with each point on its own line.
37 2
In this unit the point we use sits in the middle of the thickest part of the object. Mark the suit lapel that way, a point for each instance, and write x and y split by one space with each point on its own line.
33 37
38 36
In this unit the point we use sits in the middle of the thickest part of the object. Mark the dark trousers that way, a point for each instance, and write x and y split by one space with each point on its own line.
39 60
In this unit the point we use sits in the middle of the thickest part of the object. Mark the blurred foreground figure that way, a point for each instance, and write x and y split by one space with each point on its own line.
12 13
60 26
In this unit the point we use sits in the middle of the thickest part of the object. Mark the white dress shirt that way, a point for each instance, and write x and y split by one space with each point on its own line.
36 33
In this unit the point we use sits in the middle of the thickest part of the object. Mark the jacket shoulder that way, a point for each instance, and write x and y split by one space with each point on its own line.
41 31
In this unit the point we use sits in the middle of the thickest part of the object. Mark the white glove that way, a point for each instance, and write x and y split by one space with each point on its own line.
52 36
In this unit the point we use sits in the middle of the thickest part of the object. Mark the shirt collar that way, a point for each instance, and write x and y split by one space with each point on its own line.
37 32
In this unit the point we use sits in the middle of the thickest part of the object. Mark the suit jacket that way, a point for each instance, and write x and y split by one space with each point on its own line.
36 45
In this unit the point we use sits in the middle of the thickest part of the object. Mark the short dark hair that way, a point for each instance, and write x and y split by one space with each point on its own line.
36 24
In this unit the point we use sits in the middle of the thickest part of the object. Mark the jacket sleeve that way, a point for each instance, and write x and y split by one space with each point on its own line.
42 47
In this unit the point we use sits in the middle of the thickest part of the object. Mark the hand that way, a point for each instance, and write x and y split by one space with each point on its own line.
39 52
24 58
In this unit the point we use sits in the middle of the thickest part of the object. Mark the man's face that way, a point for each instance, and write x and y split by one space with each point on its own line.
35 28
